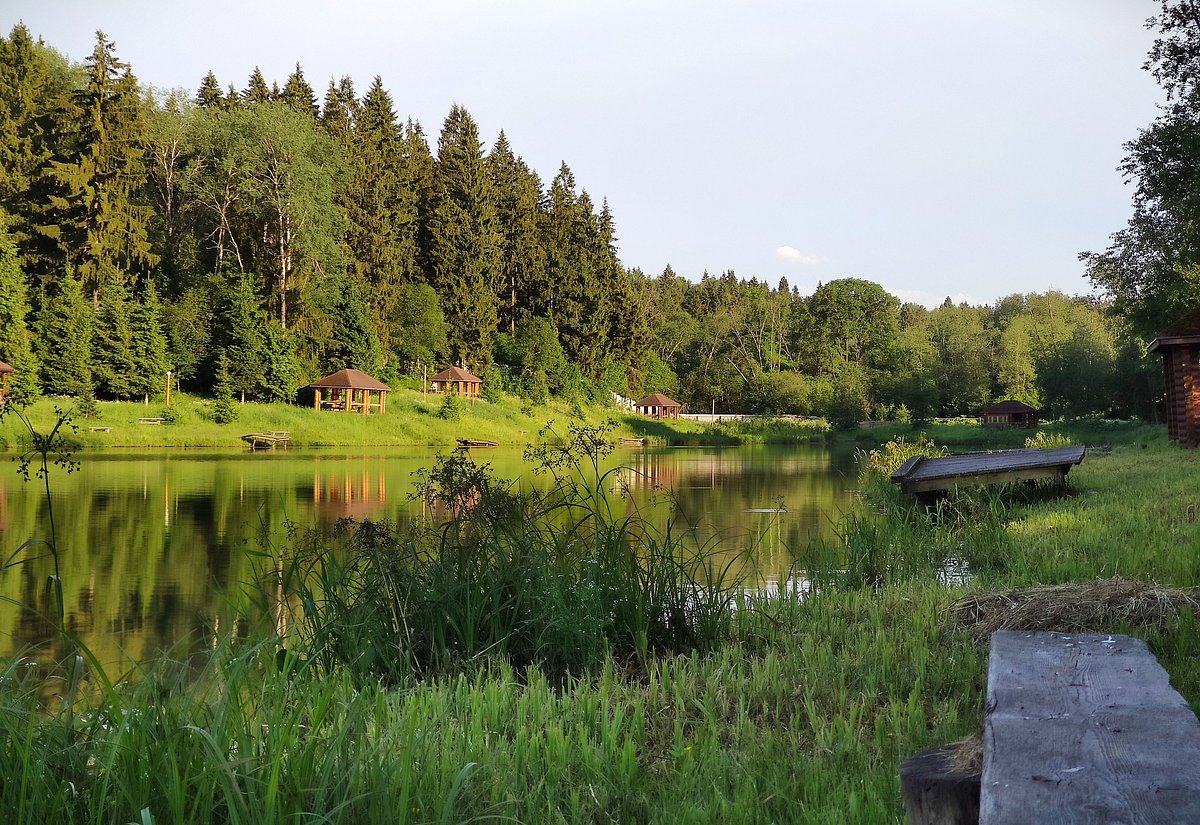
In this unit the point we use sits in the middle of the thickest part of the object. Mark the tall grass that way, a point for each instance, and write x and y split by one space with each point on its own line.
557 577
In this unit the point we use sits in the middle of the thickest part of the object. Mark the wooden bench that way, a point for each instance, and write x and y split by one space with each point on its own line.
150 421
1079 728
99 429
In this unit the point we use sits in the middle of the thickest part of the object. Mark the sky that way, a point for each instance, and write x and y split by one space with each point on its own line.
936 147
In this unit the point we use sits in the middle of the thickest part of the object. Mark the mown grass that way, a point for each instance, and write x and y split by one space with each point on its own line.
802 712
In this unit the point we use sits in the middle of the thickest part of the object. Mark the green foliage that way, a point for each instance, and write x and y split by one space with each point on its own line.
16 348
114 364
848 406
1151 267
282 377
554 579
452 407
64 338
1048 441
225 406
465 240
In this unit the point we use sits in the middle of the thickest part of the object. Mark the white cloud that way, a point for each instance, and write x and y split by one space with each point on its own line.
930 300
795 256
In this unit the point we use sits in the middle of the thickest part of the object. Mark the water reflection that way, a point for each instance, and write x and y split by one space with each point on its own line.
174 547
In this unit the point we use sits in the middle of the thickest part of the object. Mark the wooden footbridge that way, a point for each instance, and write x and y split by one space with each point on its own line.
927 478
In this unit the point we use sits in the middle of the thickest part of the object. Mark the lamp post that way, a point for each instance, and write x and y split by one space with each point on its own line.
168 388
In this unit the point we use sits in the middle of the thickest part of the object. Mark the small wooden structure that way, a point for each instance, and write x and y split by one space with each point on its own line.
928 477
1080 727
657 405
468 443
1085 728
1008 413
6 370
271 440
456 380
1181 368
350 390
150 420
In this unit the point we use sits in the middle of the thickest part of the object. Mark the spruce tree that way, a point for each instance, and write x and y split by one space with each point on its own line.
15 346
380 201
209 96
114 363
339 111
241 337
299 95
64 337
149 343
465 240
225 406
24 77
283 372
90 214
257 91
518 194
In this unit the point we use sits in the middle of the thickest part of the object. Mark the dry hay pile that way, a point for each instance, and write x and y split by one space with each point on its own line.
1101 605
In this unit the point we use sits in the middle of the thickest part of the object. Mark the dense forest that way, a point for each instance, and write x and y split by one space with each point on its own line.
258 237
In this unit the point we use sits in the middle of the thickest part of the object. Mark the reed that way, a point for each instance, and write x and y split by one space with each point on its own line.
555 577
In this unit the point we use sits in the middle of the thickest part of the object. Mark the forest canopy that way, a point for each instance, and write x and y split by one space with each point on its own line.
257 232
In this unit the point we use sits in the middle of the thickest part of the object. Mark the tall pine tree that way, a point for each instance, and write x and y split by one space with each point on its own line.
15 345
91 214
64 337
465 240
518 195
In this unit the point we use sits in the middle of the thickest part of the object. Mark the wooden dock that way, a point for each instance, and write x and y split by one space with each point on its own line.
468 443
928 477
271 440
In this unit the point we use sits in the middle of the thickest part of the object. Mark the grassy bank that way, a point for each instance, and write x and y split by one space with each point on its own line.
412 419
801 712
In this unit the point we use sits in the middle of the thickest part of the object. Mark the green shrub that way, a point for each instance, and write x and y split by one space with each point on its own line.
452 407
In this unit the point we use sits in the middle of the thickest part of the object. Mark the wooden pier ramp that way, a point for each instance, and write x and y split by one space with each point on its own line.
928 477
271 440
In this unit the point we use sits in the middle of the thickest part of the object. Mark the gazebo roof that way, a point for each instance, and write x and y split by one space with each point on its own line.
456 374
6 367
1008 406
657 399
350 380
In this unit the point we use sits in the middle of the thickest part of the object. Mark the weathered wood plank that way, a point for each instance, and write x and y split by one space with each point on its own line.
1085 729
937 791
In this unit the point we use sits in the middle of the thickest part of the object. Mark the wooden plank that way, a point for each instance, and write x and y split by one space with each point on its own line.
939 792
1085 729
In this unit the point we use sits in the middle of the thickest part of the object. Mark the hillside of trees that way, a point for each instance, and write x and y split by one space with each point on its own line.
259 232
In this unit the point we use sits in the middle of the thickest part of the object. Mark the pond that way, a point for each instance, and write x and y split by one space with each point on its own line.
167 548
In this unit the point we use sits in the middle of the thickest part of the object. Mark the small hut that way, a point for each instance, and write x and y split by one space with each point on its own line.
456 380
657 405
1008 413
1181 367
350 391
6 371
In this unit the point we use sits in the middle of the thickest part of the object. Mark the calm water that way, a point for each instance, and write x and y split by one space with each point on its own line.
163 548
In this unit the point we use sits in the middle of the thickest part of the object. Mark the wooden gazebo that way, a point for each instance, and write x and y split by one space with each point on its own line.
1008 413
6 371
456 380
1181 367
350 391
657 405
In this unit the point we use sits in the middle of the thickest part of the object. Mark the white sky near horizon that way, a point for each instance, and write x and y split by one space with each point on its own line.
937 147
